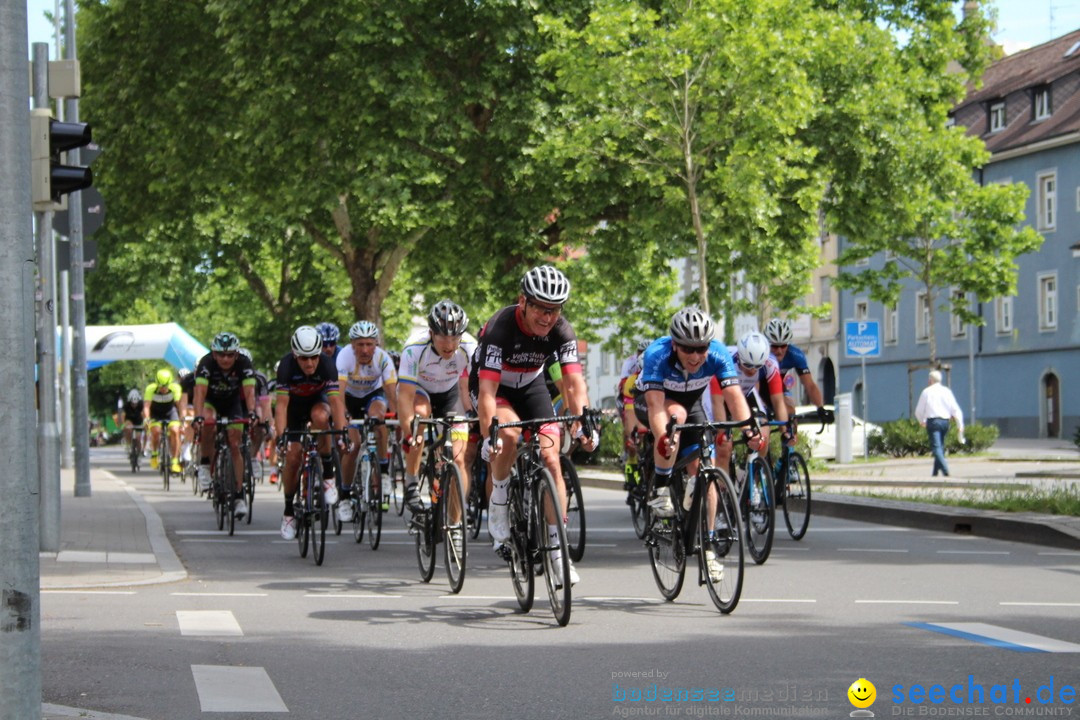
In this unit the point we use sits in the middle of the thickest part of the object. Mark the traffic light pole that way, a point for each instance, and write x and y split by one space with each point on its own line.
20 595
48 435
80 434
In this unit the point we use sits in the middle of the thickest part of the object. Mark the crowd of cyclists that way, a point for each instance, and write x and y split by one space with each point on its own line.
501 376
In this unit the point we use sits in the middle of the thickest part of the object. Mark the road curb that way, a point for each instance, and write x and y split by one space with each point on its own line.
50 711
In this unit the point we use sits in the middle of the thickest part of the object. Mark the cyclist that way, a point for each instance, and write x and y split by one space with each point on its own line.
131 410
506 382
761 384
790 357
434 383
330 335
367 374
675 372
625 392
161 400
307 391
187 411
224 389
264 428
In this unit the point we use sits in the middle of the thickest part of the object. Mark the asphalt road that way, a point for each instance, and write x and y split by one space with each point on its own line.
256 629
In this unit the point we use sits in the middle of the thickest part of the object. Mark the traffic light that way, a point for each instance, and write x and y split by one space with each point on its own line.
52 180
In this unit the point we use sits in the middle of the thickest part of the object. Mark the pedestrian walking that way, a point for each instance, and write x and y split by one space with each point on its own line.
937 405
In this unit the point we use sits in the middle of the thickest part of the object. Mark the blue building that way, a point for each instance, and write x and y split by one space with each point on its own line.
1015 370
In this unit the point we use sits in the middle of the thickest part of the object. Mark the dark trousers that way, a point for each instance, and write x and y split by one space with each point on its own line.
937 428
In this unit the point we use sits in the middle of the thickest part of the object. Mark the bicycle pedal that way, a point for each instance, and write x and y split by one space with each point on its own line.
504 552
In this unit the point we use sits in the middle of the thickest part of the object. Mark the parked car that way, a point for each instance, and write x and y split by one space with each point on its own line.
824 445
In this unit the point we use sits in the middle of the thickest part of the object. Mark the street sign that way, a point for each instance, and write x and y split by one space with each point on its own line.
93 212
63 255
862 338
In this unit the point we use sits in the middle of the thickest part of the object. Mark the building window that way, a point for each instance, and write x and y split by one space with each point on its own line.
958 326
826 297
1047 183
1003 315
862 310
892 332
1048 301
922 316
997 116
1042 106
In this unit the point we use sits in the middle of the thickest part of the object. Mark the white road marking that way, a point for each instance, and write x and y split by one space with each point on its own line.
477 597
236 689
884 550
973 552
216 594
778 600
1062 554
226 541
88 592
348 596
218 532
208 623
861 529
907 602
1042 604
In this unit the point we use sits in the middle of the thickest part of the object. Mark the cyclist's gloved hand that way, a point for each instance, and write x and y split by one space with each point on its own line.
589 441
788 438
487 450
408 442
252 419
665 446
198 420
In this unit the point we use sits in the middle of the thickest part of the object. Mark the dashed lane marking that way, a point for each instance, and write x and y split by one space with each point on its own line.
236 689
208 623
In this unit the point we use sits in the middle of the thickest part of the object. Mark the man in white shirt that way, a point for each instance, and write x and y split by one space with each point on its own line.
936 406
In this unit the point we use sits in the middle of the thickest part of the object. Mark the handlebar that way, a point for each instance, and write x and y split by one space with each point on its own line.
589 419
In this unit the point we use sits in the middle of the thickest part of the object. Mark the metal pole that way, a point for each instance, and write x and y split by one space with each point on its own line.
81 420
66 458
20 594
48 439
865 393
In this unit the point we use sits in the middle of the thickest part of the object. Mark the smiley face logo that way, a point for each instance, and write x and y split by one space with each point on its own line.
862 693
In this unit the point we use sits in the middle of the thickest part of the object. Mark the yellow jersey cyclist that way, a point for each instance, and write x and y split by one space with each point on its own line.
224 390
433 382
161 401
366 374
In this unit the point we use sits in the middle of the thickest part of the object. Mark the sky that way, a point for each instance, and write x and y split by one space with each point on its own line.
1021 23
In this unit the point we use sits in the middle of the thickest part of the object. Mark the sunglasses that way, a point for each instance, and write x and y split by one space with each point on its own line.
693 350
778 347
221 354
544 309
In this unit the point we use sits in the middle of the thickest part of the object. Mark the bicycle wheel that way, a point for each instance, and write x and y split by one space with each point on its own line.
423 527
454 531
397 479
320 517
759 510
575 510
166 461
636 496
667 555
249 483
301 509
797 496
477 483
133 453
342 495
374 516
554 552
517 548
228 485
719 539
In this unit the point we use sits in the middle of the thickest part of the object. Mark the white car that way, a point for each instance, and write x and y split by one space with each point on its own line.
824 445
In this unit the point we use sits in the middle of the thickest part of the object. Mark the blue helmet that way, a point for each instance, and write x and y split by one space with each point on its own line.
329 332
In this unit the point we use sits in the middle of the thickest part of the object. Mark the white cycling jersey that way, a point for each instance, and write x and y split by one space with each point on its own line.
360 380
421 365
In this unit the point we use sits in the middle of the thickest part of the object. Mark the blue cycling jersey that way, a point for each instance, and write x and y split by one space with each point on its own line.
794 359
660 370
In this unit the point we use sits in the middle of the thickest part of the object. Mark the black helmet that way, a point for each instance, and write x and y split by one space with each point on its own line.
447 318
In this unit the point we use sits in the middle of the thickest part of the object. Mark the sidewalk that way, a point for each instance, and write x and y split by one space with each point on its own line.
112 538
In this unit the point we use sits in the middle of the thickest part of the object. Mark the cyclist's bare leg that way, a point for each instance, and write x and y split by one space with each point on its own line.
237 458
549 453
174 439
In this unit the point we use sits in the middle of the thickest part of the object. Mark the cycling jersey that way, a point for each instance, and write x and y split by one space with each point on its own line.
162 399
795 359
660 370
515 358
631 368
292 381
421 365
762 384
360 380
262 385
187 386
224 384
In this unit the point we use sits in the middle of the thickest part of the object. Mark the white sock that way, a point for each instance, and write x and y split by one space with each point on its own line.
498 491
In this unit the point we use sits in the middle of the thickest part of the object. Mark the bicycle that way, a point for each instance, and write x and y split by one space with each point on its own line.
477 500
309 506
794 494
164 455
636 492
531 495
223 477
754 481
710 527
397 469
442 516
575 508
365 492
135 445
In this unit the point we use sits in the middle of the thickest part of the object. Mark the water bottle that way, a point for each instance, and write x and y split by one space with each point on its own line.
688 495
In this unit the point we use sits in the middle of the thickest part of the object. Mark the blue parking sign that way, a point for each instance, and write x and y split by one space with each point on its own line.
862 338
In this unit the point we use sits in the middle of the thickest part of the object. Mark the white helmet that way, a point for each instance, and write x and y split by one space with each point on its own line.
306 341
778 332
363 329
691 327
546 284
753 350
